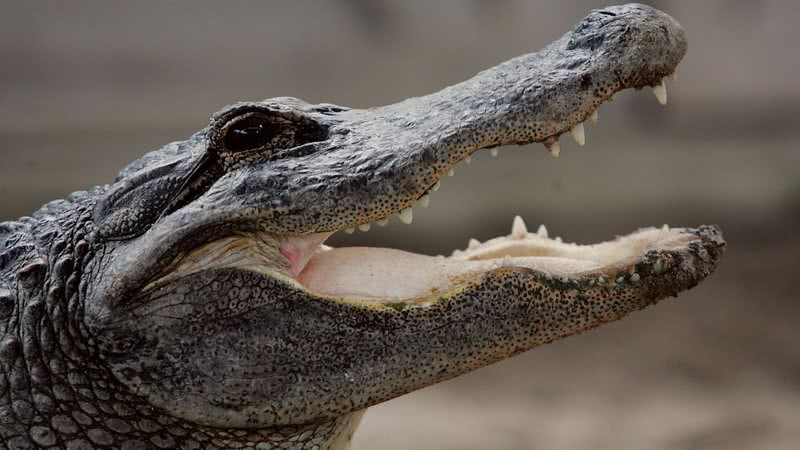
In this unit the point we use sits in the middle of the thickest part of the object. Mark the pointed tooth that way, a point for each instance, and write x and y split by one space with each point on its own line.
661 92
518 228
436 186
553 147
558 239
364 227
383 222
473 243
674 75
451 172
406 216
349 230
665 227
593 116
542 231
468 159
425 201
494 152
578 134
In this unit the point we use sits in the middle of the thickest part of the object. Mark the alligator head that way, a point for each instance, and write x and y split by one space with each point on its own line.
215 298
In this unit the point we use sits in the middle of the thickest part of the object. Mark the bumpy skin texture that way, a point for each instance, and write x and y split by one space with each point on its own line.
94 355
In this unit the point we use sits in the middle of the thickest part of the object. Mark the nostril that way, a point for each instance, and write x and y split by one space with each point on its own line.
608 13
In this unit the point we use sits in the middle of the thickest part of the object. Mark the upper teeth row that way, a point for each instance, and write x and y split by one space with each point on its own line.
405 215
578 133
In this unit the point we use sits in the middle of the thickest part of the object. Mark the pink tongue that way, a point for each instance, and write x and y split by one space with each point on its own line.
378 272
389 274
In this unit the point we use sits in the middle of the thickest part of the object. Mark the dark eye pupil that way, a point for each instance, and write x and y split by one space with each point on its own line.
247 136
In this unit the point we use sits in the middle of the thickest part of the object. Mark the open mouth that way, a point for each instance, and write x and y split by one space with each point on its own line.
389 275
383 162
396 277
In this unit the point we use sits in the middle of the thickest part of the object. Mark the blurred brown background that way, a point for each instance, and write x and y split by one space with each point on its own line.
87 86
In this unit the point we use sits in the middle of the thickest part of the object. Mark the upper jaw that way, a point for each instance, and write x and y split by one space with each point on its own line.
379 162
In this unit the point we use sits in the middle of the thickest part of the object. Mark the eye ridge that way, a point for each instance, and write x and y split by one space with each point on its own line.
243 137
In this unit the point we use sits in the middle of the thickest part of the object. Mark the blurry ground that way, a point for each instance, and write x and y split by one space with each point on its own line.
86 89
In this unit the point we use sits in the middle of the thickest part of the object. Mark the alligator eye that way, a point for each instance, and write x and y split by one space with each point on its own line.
250 132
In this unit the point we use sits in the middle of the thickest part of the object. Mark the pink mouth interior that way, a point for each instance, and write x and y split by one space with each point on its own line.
389 275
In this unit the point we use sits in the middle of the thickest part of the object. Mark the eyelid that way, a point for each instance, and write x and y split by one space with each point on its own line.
290 128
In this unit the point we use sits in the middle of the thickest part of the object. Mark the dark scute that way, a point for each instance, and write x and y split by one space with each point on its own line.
6 304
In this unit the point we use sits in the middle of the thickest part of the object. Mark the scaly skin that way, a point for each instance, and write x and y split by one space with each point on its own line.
181 306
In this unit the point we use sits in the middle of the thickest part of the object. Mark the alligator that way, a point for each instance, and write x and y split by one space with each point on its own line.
193 303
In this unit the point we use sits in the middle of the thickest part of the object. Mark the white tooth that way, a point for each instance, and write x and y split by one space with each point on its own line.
406 216
383 222
364 227
558 239
593 116
473 243
675 75
425 201
436 186
451 172
494 152
349 230
553 148
665 227
578 134
518 228
542 231
468 159
661 92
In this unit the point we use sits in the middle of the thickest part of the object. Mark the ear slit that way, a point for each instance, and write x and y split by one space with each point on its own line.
131 207
200 167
